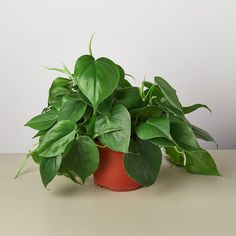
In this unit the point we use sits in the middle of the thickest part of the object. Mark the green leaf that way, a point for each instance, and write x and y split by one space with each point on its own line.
49 168
73 110
158 127
43 121
143 162
35 157
202 134
146 112
123 83
58 89
56 139
83 157
163 142
200 162
174 156
130 98
97 79
168 108
169 92
114 130
183 134
195 107
105 106
40 133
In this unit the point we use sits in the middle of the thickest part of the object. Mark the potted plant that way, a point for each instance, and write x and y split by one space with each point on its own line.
97 123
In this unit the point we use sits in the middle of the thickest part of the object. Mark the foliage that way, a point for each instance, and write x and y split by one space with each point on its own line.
96 103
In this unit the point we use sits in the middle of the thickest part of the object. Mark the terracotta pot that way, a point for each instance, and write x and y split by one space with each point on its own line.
111 173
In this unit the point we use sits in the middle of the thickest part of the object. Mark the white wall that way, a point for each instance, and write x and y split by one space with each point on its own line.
189 43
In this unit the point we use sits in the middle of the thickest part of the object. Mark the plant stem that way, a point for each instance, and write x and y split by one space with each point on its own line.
22 165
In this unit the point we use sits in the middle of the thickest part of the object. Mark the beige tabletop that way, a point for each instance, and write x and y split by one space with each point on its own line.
178 204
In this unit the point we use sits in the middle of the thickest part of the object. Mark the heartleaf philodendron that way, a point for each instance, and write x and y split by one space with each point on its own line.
95 106
97 79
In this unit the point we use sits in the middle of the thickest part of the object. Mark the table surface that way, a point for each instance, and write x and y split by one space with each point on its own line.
178 204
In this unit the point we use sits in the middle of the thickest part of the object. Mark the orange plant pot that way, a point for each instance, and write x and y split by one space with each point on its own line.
111 173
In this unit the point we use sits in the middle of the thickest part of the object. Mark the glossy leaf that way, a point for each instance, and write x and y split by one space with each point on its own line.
43 121
143 162
114 130
200 162
174 156
154 128
58 89
49 168
97 79
56 139
163 142
194 107
183 134
83 157
73 110
169 93
203 134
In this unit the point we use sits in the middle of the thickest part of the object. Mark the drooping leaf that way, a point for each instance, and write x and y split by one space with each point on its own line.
49 168
143 162
169 92
82 157
73 110
97 79
129 97
183 134
56 139
194 107
156 127
114 130
203 134
200 162
43 121
174 156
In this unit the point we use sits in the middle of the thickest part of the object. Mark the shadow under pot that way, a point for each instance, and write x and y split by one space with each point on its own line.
111 172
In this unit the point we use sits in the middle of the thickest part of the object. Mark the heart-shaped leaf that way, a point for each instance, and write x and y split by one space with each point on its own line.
156 127
143 161
73 110
56 139
83 157
114 130
49 168
97 79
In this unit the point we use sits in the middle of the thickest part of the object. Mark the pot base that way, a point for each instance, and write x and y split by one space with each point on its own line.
111 173
116 188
